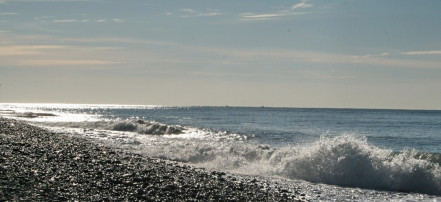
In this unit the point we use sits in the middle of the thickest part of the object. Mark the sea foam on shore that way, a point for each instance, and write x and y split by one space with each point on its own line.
39 165
69 156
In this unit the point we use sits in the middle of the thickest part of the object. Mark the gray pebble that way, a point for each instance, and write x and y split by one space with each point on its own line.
36 165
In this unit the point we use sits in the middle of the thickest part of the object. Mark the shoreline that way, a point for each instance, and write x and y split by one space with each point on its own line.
36 164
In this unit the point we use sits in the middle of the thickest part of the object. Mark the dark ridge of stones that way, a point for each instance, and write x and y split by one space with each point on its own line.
33 115
36 165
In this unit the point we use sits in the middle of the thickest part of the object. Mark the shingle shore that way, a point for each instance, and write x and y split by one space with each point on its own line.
38 165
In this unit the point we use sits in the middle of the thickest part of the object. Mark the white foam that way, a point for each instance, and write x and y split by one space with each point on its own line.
344 160
351 161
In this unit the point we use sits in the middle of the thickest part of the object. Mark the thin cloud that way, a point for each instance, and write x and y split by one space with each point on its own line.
44 49
302 4
115 20
118 20
44 18
268 16
65 21
328 75
26 50
214 13
9 13
188 12
106 40
373 55
291 56
65 62
180 53
278 14
59 56
433 52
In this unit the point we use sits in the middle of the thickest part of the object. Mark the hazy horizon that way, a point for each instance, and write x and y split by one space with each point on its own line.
68 105
297 53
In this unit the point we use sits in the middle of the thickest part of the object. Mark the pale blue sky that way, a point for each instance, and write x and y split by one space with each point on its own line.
347 53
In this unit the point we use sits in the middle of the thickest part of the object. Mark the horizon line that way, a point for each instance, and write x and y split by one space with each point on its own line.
218 106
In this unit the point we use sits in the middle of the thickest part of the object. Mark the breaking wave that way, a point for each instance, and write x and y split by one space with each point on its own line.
144 127
137 126
343 160
350 161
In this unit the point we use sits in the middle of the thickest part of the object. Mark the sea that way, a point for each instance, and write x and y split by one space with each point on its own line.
328 154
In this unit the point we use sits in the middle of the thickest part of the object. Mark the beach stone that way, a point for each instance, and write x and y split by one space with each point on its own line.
37 165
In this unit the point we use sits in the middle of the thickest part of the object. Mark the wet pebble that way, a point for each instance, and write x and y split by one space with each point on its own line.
37 165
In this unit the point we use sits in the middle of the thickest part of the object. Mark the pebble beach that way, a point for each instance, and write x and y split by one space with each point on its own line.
38 165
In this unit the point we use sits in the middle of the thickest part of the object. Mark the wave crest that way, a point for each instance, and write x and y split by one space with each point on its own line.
144 127
350 161
343 160
137 126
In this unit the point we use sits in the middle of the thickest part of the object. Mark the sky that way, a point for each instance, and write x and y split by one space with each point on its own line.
285 53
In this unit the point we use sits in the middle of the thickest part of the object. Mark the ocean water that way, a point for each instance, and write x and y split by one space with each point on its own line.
329 154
